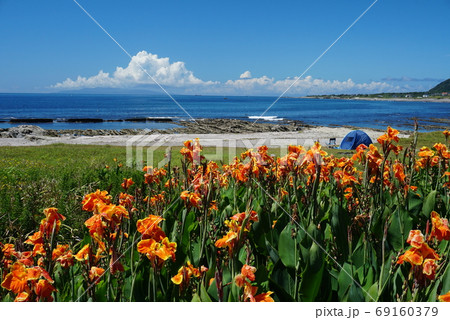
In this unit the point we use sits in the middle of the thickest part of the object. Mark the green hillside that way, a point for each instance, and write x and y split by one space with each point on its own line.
444 86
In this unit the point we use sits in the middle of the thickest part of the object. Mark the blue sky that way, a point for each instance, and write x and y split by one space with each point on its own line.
398 45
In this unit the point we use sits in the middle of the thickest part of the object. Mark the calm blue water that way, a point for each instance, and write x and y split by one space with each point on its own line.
373 114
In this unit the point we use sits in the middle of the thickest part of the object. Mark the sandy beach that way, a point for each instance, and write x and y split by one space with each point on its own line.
306 137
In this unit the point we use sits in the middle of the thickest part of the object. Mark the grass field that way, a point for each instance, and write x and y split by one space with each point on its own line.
34 178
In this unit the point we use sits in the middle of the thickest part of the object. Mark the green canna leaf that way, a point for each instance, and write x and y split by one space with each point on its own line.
428 204
287 247
204 295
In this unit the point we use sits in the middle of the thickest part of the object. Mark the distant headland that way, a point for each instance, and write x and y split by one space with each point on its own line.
439 93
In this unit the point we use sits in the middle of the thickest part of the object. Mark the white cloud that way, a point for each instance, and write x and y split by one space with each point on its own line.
181 80
246 75
303 86
165 73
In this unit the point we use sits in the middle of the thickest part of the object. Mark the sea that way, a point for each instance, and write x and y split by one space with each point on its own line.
63 110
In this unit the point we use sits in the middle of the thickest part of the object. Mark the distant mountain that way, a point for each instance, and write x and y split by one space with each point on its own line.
150 91
444 86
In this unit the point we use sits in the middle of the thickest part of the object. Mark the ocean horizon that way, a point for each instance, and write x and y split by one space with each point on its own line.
112 109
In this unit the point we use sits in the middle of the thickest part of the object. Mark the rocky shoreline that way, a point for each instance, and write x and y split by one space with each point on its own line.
200 126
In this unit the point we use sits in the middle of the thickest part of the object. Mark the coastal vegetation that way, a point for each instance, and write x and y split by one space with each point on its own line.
438 92
444 86
310 225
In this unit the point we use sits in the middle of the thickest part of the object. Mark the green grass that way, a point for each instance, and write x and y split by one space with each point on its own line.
427 139
34 178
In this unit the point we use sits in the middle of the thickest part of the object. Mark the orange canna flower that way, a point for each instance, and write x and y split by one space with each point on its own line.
51 222
240 280
428 253
22 297
375 160
412 256
196 151
66 260
388 137
374 156
191 151
44 289
425 152
171 183
146 246
296 149
203 269
17 280
127 183
34 273
444 297
344 179
96 226
126 200
166 249
349 193
246 276
84 253
154 249
395 148
229 240
429 268
36 238
90 200
192 197
178 278
25 258
149 228
95 274
59 251
53 214
248 272
63 255
264 297
44 274
441 150
240 217
399 172
157 200
359 155
249 295
392 134
185 273
282 193
38 249
314 155
446 133
112 212
415 238
439 229
213 205
8 250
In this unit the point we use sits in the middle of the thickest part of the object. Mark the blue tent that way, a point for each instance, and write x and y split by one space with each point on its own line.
354 138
